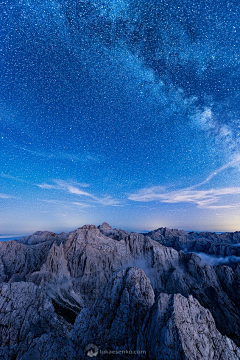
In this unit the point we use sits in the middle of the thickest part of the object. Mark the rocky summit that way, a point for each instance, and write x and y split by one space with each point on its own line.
105 293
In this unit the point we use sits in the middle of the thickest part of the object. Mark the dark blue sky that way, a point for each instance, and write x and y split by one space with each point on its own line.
119 111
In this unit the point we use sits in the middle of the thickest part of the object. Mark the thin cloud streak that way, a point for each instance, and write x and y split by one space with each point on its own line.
81 204
6 196
61 184
203 198
234 162
6 176
71 188
67 203
85 157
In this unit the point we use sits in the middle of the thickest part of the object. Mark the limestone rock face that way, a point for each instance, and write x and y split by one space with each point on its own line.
26 316
180 328
18 260
168 293
204 283
90 259
55 277
116 317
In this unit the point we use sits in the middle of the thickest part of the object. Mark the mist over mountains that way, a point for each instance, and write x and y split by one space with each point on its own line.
161 295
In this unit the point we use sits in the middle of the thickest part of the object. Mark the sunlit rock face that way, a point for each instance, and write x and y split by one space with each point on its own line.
120 291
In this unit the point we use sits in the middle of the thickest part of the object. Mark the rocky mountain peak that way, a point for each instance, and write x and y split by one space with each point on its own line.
43 236
104 226
84 234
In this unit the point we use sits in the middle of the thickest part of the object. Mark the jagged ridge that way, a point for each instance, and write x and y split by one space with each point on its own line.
145 292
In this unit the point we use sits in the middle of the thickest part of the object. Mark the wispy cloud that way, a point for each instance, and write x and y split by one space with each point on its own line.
83 157
80 204
61 184
214 260
6 196
203 198
67 203
234 162
7 176
74 188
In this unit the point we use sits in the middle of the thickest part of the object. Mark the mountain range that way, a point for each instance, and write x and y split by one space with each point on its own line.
109 294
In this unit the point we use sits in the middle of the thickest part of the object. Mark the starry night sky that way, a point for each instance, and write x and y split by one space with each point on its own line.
122 111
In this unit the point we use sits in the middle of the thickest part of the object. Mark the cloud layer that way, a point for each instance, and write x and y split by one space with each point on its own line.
214 260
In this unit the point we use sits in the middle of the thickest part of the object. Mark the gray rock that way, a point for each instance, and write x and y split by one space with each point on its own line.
224 244
18 260
115 319
26 314
43 236
203 282
110 278
180 328
116 234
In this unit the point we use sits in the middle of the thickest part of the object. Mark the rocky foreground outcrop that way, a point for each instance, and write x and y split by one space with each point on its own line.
111 294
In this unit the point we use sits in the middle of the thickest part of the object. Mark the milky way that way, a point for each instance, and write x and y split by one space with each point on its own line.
120 111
